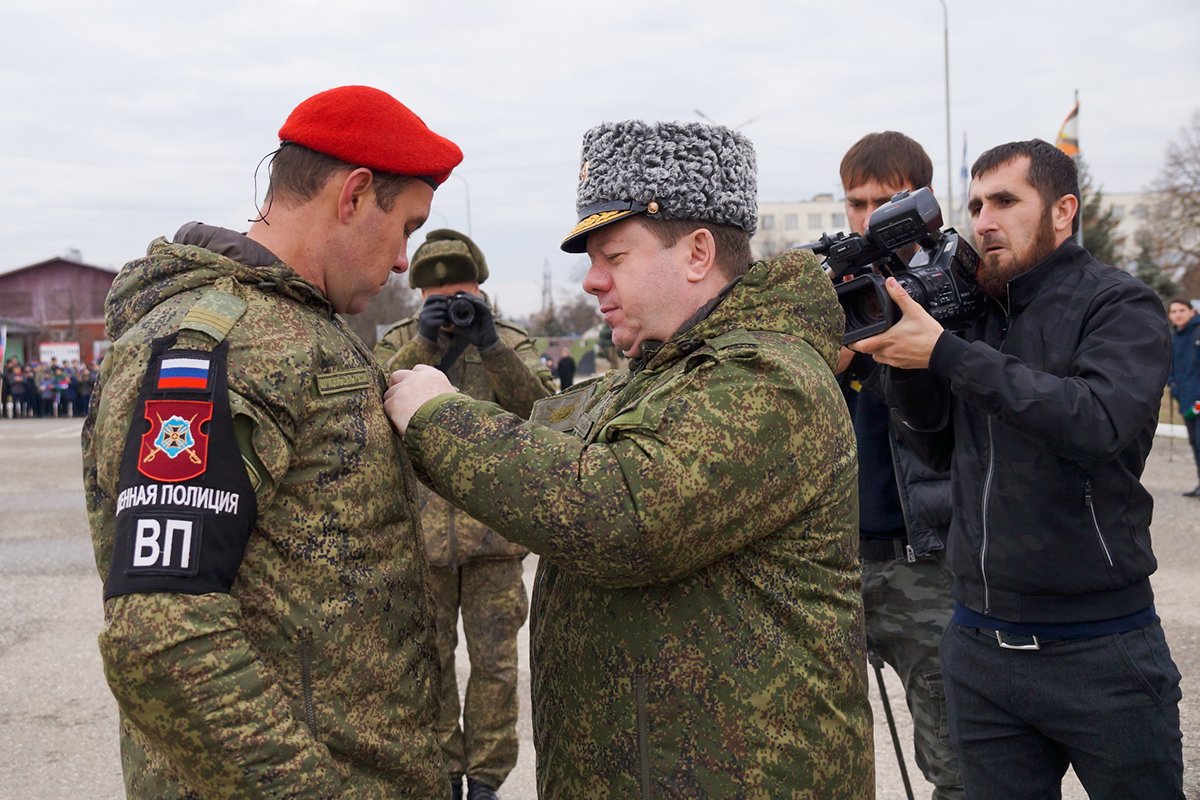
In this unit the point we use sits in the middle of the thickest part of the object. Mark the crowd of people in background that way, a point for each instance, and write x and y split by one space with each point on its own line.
46 389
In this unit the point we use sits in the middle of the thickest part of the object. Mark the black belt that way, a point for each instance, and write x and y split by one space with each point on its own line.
884 550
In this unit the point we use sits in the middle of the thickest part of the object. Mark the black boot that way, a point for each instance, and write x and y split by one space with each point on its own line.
456 787
477 790
1193 493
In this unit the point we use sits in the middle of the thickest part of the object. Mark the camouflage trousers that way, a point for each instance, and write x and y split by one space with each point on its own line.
479 737
908 606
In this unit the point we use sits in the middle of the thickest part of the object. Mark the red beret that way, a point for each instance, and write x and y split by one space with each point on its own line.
368 127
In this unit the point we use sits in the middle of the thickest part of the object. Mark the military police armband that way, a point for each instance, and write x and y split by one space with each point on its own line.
185 506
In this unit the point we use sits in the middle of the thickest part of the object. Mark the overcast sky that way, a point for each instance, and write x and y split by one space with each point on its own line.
122 120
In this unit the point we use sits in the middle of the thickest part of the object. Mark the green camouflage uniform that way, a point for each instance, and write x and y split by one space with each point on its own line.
697 624
314 676
908 606
471 567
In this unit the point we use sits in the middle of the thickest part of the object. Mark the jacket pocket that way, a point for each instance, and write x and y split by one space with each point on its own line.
1095 521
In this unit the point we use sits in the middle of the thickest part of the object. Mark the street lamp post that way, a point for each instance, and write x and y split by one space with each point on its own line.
946 52
467 188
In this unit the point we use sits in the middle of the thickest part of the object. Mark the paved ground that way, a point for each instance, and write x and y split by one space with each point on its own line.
58 721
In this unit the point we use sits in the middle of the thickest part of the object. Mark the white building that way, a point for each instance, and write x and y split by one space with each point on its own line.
782 226
1131 210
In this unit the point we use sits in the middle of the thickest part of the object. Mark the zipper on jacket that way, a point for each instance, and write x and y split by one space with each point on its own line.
1087 501
983 515
643 735
991 467
306 687
901 494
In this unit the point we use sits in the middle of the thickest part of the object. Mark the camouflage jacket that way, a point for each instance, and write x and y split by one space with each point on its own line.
697 627
314 675
509 374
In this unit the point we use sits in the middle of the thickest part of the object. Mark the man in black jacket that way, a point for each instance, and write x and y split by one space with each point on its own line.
1045 412
903 506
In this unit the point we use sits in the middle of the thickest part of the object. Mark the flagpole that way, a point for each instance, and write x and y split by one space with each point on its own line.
1078 158
946 56
965 172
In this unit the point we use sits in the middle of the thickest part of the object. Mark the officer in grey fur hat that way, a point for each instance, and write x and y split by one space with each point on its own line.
696 626
473 570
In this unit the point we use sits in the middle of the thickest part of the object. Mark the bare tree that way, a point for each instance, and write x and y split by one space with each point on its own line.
1149 266
574 315
1175 218
395 302
579 314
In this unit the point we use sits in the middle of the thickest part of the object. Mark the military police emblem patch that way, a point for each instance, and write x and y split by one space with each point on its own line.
175 448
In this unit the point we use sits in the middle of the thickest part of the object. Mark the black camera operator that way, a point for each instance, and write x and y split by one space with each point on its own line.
1045 411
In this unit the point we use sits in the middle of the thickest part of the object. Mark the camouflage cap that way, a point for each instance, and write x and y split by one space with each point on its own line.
666 170
446 256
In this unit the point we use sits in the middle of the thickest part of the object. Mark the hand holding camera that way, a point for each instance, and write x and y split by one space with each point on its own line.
943 283
462 313
434 316
473 316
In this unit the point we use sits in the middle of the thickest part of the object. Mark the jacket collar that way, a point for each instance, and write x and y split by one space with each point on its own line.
1023 288
652 348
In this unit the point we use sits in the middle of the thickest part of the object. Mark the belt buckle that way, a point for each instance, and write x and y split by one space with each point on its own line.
1008 646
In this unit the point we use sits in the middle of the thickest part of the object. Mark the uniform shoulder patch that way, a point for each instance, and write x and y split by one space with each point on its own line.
215 313
185 506
175 448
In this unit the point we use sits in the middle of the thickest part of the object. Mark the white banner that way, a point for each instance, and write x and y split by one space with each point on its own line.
65 352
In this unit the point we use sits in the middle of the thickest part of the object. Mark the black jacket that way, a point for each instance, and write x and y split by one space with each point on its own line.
923 493
1047 411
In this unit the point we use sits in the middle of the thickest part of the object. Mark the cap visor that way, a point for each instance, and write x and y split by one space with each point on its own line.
576 241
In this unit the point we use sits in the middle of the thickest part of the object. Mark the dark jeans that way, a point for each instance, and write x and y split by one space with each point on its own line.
1190 424
1107 706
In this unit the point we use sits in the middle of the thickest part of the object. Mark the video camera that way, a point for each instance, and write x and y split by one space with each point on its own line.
940 277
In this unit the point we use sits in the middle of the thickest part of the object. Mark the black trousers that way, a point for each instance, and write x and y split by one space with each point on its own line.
1107 706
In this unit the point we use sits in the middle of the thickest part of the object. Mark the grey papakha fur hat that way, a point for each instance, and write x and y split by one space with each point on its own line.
665 170
446 256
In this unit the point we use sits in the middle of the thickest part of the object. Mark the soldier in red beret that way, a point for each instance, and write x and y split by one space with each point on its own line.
268 627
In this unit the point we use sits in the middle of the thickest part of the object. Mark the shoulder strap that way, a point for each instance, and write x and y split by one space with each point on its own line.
214 314
734 338
453 352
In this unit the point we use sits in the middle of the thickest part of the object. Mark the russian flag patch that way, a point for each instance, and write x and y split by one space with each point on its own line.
183 373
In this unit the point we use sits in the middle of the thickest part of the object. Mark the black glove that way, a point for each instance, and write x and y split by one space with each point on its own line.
482 331
435 315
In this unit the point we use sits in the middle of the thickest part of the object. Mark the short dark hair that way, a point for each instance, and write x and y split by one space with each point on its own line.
733 255
1181 302
1051 171
298 173
887 157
